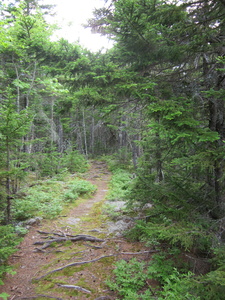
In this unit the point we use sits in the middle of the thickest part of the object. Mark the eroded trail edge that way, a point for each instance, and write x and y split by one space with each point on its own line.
72 256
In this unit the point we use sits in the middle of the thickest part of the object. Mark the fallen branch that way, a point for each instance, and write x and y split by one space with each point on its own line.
75 287
73 238
73 265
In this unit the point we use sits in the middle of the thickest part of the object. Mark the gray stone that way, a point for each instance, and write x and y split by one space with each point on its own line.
72 221
33 221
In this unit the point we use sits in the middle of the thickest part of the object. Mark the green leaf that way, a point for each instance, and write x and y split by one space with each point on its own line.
4 296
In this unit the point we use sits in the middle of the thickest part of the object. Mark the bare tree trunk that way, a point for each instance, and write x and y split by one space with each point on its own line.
17 88
85 134
216 123
60 133
92 132
31 85
8 207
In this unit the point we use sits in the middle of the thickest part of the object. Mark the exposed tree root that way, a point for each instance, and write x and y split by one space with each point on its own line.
104 298
72 265
63 238
143 252
75 287
54 233
38 296
92 246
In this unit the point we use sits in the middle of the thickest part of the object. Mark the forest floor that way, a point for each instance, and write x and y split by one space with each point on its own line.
92 260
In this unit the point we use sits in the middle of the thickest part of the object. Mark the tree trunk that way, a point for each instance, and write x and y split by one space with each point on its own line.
216 124
85 133
8 203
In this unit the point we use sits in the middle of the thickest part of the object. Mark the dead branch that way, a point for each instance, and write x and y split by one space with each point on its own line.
73 238
73 265
75 287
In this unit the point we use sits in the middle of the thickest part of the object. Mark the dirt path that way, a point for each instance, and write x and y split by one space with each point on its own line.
86 218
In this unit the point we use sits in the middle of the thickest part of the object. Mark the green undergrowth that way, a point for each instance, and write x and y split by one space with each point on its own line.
190 263
121 177
47 198
52 163
190 259
119 185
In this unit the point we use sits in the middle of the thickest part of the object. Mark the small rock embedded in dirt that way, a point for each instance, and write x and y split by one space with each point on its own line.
72 221
33 221
147 206
117 205
119 226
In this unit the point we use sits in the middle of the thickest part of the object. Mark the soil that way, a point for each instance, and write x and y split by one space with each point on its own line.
86 217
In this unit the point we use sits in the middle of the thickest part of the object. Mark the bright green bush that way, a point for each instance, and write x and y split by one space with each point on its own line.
70 196
182 235
119 185
177 286
119 160
25 208
41 201
46 164
74 162
4 296
52 163
80 187
47 198
129 279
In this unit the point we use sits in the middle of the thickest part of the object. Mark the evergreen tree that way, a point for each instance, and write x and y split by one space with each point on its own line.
13 126
176 46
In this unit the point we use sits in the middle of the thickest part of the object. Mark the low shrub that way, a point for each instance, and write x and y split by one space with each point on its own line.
81 187
73 161
119 185
52 163
129 279
47 198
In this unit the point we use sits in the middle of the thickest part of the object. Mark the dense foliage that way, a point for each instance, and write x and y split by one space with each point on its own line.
155 101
